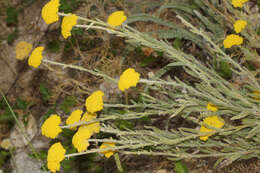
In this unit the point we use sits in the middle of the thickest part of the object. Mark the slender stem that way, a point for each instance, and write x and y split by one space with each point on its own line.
184 155
109 149
126 97
118 162
151 82
113 141
130 106
87 122
79 68
22 129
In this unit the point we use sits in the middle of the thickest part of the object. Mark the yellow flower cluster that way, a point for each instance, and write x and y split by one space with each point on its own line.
214 121
257 93
74 117
36 57
232 40
50 11
238 3
50 15
80 139
117 18
22 50
239 25
67 23
128 79
212 107
50 127
56 154
94 102
108 153
93 127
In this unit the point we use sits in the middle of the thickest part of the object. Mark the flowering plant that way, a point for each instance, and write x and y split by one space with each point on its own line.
211 104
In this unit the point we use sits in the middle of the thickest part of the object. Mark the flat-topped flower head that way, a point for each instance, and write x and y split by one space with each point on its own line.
50 11
67 24
212 107
56 154
214 121
50 127
239 25
128 79
257 93
93 127
108 153
22 50
232 40
80 139
238 3
94 102
36 57
116 18
74 117
88 116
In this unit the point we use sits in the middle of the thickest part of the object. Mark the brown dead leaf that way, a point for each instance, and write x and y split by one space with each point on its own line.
147 51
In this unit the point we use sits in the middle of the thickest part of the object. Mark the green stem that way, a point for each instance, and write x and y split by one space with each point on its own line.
118 162
126 97
22 129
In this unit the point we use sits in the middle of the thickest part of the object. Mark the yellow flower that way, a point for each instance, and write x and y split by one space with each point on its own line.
214 121
258 95
239 25
53 166
116 18
56 154
108 153
212 107
88 117
22 50
36 57
94 102
93 127
238 3
74 117
67 23
50 127
232 40
50 11
128 79
80 139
